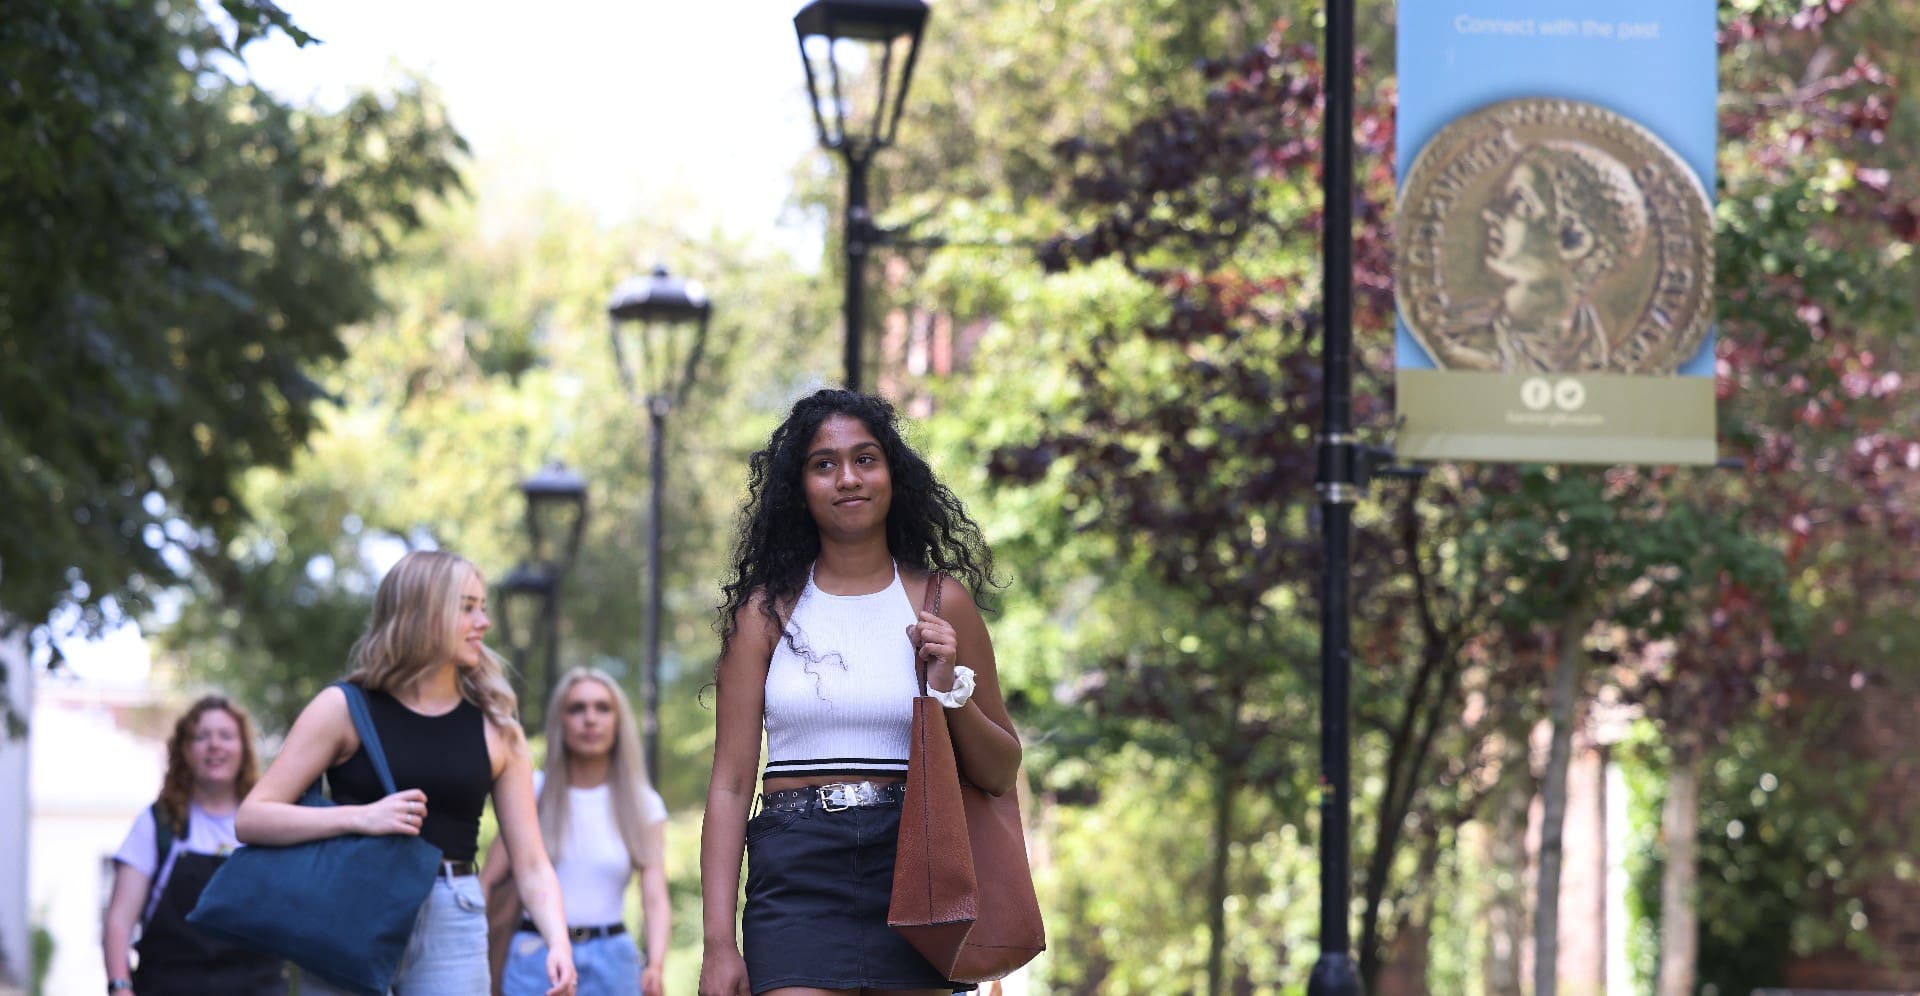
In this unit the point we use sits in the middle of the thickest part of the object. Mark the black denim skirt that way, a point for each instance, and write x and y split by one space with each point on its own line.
818 884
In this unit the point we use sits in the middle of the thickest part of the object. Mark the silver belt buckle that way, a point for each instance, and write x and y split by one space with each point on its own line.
845 795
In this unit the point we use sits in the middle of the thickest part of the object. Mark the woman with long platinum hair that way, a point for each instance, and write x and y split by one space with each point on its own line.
603 824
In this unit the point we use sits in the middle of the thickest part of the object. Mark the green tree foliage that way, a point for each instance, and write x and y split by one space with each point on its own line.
1178 449
1188 259
177 250
1127 869
1817 236
492 359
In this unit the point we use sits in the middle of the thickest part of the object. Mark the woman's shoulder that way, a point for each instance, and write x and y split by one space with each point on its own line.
751 617
652 805
333 697
328 707
919 580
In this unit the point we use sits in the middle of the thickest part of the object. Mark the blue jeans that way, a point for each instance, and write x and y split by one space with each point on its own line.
608 966
448 951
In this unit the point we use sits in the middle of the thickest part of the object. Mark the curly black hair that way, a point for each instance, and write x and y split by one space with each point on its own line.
927 526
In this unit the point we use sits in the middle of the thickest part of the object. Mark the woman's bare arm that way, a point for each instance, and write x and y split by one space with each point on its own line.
322 737
513 804
741 683
129 894
654 904
984 741
498 866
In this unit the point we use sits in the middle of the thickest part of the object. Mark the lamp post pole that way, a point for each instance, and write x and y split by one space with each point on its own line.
556 518
672 316
657 465
1335 974
550 621
857 230
528 604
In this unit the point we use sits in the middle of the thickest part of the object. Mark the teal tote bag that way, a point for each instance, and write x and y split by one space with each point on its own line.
341 908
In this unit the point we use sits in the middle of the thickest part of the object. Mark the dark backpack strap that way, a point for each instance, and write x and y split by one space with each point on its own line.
162 846
162 831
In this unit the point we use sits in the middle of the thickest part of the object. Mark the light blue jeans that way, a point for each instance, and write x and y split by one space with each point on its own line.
608 966
448 951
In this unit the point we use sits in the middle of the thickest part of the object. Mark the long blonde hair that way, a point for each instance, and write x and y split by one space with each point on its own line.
416 624
626 772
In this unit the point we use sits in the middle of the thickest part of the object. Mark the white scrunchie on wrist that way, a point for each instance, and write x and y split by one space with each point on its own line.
962 689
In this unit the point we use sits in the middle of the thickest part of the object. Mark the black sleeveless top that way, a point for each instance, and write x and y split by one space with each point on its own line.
444 756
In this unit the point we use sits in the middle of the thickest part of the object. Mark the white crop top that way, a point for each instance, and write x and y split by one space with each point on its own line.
845 706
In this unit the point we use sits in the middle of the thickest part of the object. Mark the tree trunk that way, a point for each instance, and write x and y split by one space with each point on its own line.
1553 807
1679 919
1225 788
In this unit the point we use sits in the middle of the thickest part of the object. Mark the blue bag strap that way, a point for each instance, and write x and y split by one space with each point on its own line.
369 737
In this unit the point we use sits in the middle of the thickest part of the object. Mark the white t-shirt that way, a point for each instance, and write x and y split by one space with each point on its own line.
594 867
207 833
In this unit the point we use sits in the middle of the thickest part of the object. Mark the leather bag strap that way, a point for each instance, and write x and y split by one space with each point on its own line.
369 737
931 604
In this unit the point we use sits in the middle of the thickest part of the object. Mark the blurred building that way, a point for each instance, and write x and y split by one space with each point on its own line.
920 342
15 932
98 754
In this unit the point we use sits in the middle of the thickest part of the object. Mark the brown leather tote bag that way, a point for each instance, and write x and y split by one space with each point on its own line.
962 889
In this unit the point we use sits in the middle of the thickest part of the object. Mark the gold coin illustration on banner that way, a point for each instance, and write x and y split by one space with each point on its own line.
1554 236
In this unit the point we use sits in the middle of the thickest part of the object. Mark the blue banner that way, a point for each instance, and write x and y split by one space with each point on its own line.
1554 272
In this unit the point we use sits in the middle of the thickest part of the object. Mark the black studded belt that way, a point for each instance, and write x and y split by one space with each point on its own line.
835 797
581 933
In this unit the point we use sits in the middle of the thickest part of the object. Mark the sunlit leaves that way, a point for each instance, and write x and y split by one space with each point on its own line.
178 251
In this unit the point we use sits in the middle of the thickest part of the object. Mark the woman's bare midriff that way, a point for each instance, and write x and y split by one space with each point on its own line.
782 784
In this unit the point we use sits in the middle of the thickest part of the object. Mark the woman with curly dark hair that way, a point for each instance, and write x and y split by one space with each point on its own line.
843 530
174 847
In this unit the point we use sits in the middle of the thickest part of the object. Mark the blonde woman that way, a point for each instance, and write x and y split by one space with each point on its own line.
446 717
173 849
603 824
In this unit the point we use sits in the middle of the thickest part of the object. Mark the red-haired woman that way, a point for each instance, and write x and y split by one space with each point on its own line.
172 850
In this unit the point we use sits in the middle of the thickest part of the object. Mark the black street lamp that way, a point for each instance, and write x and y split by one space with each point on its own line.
666 319
850 49
530 593
556 514
527 603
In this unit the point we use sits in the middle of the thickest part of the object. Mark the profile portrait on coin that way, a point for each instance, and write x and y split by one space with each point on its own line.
1540 235
1563 220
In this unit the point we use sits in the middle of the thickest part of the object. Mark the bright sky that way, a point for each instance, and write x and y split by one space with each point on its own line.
695 109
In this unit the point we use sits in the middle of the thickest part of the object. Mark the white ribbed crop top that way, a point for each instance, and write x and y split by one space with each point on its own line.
845 707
